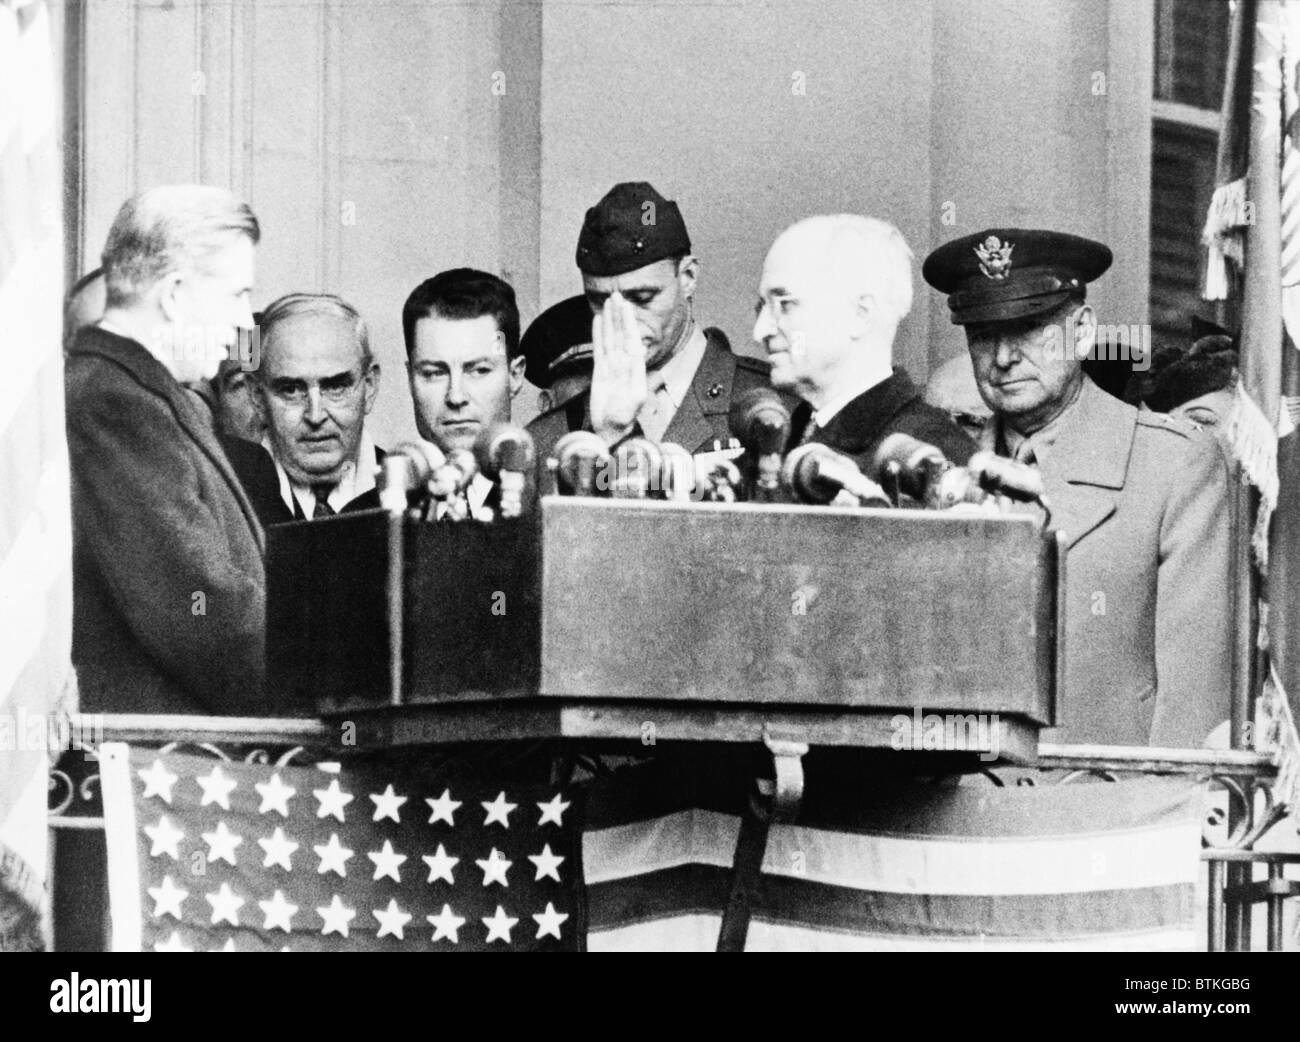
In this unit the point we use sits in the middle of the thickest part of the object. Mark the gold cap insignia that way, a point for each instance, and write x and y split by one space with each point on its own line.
995 257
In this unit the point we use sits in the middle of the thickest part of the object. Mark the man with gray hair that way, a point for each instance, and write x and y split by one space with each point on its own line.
833 291
315 386
1141 498
168 581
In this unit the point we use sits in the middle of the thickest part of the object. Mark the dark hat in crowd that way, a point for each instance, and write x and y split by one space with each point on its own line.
631 227
1179 373
558 342
1005 274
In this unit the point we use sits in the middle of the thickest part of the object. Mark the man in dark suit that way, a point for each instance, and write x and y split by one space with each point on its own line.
833 291
168 583
1142 498
465 367
315 386
656 371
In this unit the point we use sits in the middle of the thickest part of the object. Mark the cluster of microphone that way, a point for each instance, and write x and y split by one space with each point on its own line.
902 468
418 477
638 468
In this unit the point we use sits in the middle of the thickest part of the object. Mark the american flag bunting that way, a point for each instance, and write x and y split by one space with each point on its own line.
210 855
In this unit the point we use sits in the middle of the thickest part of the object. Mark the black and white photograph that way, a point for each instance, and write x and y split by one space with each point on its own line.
652 476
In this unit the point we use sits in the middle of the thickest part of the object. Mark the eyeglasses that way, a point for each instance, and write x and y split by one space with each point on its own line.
337 390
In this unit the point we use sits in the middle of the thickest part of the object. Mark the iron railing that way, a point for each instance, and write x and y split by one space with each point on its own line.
1245 777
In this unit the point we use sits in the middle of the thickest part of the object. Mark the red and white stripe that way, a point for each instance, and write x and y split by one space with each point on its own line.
1087 867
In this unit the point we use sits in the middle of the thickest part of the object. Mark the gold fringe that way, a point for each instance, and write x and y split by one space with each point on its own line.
1223 238
1253 441
1278 736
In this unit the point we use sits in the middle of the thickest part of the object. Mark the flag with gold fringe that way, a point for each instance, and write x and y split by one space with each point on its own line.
1253 238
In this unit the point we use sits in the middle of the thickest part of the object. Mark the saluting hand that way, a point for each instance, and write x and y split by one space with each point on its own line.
618 380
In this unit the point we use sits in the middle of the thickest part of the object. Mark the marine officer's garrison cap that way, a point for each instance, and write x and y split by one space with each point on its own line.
631 227
1004 274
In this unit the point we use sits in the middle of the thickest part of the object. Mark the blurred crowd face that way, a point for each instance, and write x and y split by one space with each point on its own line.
1031 370
238 415
210 300
1207 410
461 379
316 388
562 389
661 295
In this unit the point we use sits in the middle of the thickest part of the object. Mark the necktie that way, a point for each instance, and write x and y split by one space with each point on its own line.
323 508
810 429
657 412
802 425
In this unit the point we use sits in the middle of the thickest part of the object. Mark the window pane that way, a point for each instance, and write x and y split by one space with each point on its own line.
1191 51
1182 182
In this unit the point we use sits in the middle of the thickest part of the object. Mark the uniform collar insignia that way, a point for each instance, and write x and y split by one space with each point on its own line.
995 257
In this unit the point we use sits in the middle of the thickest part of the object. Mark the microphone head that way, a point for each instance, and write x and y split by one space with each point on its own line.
718 480
801 473
816 473
638 469
913 460
455 475
953 486
503 446
464 461
907 452
679 478
419 460
760 421
404 475
581 459
999 474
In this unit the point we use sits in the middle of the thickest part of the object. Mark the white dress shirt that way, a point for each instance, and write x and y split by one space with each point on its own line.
355 480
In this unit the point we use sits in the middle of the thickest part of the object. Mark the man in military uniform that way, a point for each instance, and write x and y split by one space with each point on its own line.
832 293
656 371
557 346
1141 497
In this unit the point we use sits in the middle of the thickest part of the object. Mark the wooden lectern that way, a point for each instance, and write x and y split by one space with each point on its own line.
826 622
605 619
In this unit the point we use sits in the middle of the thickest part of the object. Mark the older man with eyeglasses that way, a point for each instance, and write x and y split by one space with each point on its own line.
315 386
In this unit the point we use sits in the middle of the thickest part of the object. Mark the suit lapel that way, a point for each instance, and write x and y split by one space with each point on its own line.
1086 465
200 429
865 419
689 427
1078 509
710 395
185 404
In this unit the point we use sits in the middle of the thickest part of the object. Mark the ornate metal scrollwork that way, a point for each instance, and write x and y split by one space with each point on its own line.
73 786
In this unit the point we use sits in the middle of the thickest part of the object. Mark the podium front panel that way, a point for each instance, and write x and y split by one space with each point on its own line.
797 605
599 600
